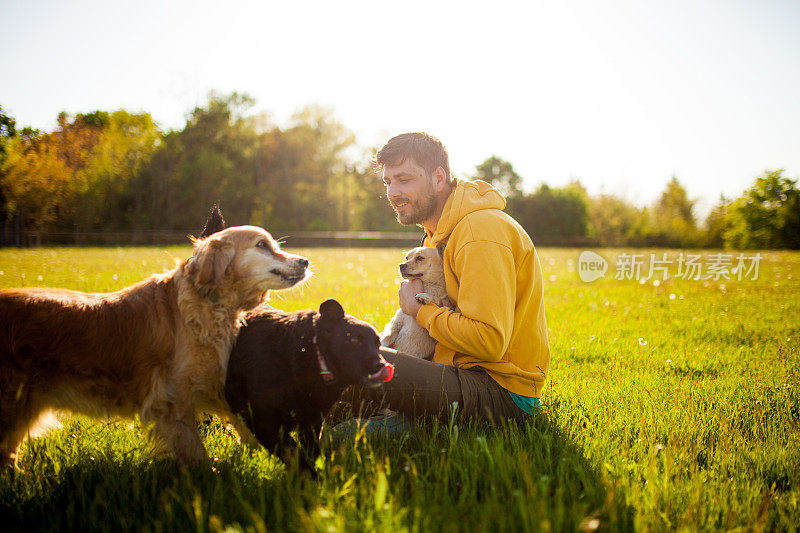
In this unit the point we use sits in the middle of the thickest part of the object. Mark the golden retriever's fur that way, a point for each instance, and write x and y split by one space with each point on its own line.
159 348
403 333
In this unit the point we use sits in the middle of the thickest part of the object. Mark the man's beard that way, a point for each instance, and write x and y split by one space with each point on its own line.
420 211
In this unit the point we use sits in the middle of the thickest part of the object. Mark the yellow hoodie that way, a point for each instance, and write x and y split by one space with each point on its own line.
493 275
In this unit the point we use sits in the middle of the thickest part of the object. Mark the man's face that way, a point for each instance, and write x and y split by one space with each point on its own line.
410 192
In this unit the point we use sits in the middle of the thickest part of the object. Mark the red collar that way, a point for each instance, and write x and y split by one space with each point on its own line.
324 371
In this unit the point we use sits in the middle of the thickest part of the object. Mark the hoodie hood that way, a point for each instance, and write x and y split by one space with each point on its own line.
465 198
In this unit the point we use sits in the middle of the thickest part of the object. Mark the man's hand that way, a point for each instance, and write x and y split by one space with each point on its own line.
409 288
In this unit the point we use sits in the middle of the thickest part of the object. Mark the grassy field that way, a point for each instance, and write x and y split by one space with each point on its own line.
669 406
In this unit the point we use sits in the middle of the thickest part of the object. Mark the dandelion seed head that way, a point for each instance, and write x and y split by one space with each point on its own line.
642 342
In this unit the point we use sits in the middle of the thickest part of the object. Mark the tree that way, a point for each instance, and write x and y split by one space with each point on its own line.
501 175
211 160
673 222
767 215
8 129
126 144
36 182
716 224
371 207
553 215
307 171
43 174
614 221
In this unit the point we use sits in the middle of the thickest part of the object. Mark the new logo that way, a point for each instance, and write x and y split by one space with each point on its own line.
591 266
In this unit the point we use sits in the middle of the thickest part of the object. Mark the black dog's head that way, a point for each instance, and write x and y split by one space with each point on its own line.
349 347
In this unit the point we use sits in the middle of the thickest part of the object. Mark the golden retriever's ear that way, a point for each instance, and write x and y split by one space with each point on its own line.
210 262
440 248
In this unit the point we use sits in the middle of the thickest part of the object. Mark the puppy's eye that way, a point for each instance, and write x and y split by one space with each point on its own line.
419 258
263 245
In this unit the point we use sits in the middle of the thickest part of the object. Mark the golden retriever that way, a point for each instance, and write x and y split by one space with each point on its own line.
159 348
403 333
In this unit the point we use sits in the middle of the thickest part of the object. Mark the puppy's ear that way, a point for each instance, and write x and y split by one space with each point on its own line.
440 248
211 261
214 223
331 310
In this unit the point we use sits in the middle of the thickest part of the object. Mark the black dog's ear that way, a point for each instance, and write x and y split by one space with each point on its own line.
331 310
440 248
214 223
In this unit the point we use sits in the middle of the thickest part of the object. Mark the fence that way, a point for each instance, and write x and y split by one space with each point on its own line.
162 238
11 236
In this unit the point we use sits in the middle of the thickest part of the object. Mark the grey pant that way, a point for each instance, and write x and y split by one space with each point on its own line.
423 388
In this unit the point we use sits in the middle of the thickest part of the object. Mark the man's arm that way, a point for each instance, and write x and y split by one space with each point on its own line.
486 298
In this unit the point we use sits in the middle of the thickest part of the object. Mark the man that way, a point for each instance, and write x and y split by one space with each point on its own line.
492 354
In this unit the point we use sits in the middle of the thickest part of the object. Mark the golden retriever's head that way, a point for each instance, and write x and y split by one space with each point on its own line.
245 260
424 263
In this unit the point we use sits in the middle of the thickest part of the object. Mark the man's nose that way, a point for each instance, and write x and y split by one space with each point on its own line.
393 190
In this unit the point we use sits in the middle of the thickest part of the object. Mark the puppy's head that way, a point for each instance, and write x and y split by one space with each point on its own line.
424 263
246 260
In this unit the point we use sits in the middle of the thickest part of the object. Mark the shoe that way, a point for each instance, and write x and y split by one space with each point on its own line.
389 424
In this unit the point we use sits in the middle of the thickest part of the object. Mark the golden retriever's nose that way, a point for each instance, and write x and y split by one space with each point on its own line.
303 261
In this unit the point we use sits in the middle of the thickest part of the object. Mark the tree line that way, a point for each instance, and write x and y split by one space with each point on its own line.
118 172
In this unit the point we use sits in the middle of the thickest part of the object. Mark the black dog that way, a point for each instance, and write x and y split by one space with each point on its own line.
286 371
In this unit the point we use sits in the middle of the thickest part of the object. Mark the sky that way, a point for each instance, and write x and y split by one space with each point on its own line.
618 95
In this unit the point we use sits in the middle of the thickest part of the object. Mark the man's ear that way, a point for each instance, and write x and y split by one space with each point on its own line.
210 262
440 179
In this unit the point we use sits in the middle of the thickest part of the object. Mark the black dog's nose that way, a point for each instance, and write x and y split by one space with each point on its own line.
303 261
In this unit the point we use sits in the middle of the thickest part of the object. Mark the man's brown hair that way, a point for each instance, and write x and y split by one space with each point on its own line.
425 150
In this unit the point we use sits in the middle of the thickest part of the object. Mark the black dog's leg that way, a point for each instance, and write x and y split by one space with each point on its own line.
308 436
268 433
288 450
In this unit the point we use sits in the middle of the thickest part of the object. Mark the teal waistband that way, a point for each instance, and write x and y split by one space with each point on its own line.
526 403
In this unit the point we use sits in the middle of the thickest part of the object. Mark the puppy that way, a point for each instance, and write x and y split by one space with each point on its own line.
403 333
159 348
286 371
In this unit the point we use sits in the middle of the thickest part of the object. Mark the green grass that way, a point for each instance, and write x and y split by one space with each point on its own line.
673 406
